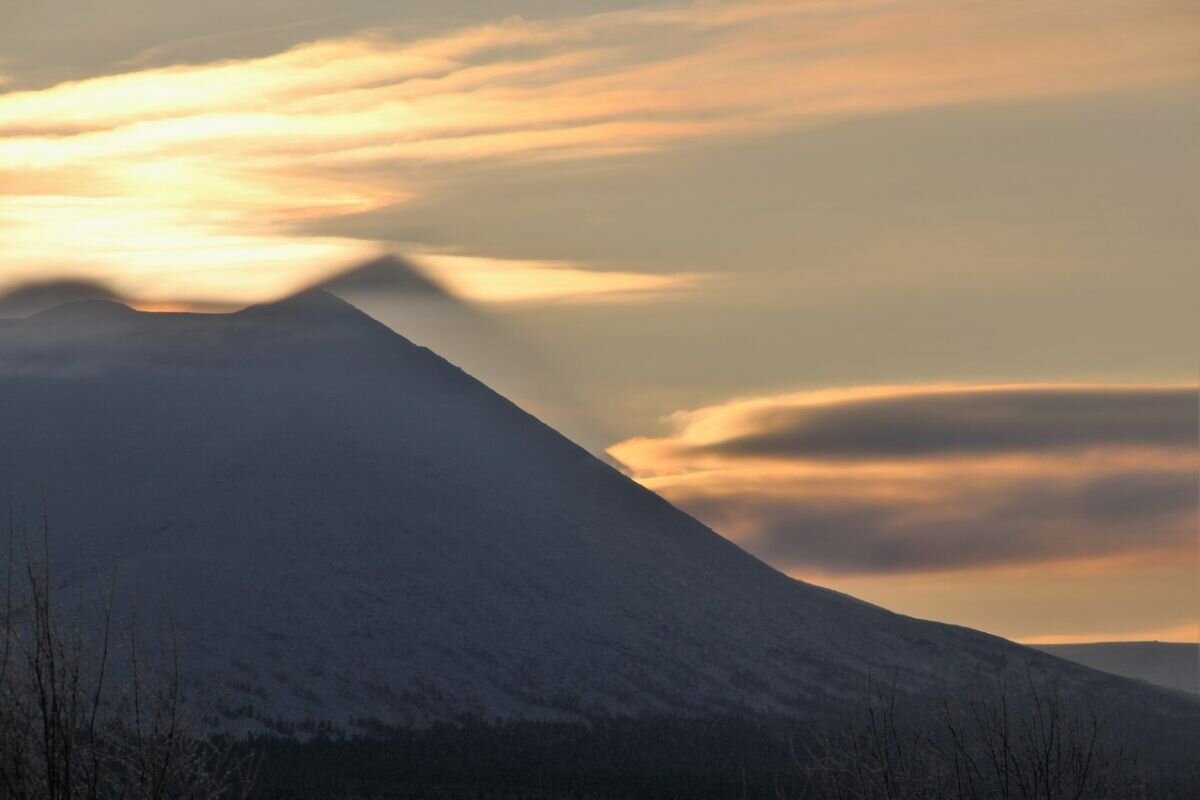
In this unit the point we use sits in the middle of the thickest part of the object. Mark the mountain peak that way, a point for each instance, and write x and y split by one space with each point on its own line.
309 305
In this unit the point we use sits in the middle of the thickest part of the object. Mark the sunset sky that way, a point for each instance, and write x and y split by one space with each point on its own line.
898 294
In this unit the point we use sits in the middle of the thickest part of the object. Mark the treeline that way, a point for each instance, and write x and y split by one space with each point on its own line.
607 758
995 748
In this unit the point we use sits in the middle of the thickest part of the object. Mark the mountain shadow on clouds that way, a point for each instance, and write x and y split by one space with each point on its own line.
389 275
31 298
399 294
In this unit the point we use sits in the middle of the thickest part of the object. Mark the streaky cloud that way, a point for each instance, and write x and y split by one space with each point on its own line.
226 159
918 425
920 479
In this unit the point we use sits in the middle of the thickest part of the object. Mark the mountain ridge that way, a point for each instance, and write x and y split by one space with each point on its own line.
1173 665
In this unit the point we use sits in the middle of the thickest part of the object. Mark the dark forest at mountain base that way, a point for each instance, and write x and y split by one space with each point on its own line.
661 758
616 758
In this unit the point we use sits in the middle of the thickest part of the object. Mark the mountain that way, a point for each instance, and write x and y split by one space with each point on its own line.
336 524
399 294
1171 664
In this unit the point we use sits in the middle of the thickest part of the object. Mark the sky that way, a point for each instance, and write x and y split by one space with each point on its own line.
897 294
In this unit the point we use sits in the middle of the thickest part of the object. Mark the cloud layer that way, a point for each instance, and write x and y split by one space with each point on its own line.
222 161
937 478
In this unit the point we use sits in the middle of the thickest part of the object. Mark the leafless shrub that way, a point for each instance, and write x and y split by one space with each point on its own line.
876 756
68 731
985 745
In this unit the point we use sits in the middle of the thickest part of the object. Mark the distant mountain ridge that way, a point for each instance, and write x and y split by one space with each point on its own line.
339 525
1170 664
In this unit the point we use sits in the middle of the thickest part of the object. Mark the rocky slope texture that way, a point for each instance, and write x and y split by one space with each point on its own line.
340 525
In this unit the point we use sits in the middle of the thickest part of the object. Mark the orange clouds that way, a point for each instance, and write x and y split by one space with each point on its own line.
493 280
1029 510
912 479
119 176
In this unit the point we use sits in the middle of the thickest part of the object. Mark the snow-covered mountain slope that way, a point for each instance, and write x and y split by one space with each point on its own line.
342 525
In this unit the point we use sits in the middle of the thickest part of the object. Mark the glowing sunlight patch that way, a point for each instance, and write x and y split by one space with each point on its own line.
491 280
1188 633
